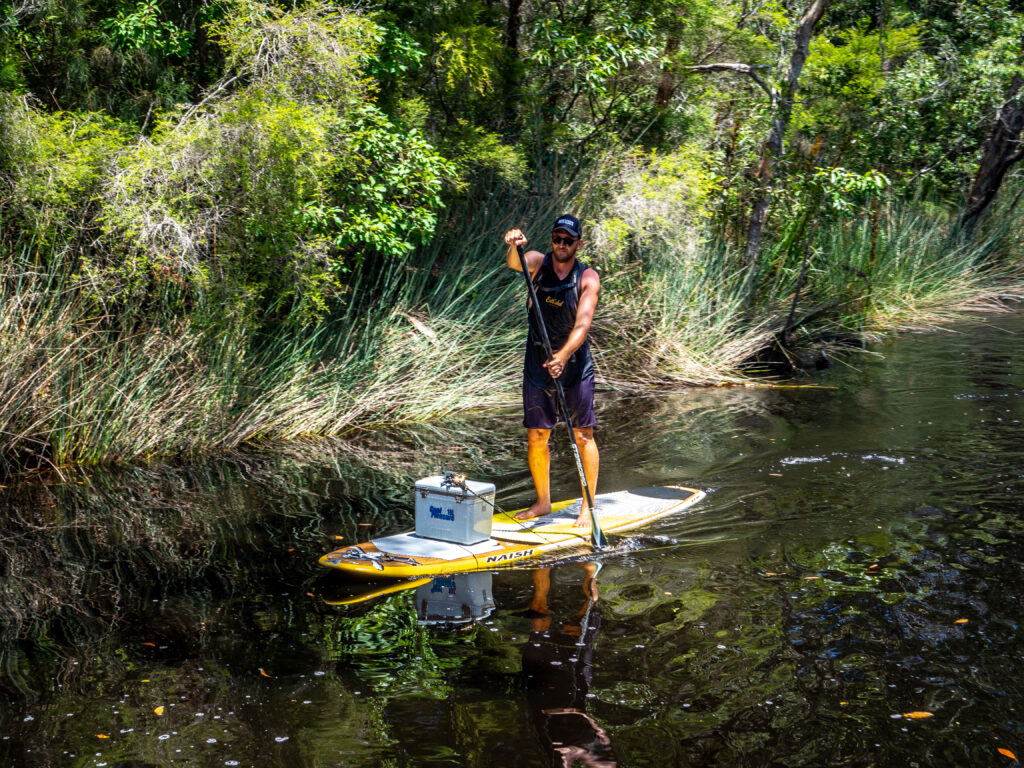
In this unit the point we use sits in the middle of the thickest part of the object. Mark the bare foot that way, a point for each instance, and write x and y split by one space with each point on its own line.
539 509
583 521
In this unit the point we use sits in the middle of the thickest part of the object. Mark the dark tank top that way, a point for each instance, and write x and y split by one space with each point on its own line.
559 300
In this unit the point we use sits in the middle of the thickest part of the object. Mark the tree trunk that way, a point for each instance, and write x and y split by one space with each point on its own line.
512 66
667 81
512 28
1002 149
780 123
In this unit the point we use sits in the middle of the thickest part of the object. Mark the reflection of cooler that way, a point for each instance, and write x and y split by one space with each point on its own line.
455 599
451 508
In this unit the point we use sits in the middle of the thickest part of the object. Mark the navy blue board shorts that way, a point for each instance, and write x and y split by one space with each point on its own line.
541 409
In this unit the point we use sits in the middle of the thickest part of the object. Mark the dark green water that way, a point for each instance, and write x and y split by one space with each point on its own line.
857 559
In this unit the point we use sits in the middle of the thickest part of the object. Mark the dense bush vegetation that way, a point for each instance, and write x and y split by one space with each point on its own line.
226 220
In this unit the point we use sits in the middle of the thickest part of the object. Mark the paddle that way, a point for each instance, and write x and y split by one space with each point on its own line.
597 537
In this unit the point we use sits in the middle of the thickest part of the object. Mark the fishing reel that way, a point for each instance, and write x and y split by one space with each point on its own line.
454 479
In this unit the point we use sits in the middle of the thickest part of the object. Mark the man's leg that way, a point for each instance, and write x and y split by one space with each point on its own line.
540 617
538 456
580 400
591 462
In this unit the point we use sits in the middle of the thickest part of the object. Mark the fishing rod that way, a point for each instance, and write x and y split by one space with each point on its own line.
597 537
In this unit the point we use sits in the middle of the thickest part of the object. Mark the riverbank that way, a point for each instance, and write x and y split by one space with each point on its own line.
86 382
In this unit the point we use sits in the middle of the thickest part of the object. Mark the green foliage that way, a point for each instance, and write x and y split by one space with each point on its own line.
480 157
53 166
587 62
656 206
665 288
396 54
313 53
124 58
467 58
391 187
845 74
220 198
916 96
842 187
272 190
582 73
141 27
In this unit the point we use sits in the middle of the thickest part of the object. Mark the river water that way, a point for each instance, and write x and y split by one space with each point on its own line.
848 594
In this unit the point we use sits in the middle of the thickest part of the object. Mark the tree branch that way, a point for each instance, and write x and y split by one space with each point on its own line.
743 69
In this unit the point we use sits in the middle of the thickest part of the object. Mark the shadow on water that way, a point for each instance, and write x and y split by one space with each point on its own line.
848 594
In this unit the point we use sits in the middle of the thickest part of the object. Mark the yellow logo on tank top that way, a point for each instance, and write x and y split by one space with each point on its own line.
549 300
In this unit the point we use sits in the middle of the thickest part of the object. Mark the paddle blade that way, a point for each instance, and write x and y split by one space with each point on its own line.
597 538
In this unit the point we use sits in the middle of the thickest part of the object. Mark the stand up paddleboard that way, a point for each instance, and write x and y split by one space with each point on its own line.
511 541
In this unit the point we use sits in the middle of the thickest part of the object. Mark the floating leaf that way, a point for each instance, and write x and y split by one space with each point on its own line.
159 710
917 715
1007 753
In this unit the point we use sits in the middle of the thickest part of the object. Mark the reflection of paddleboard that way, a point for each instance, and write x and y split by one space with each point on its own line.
379 591
406 554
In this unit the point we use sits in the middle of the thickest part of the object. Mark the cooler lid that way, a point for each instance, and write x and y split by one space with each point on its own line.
433 484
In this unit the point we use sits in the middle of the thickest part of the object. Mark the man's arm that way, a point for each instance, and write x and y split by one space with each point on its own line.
590 286
515 240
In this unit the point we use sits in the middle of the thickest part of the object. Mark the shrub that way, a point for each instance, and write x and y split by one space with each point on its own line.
53 166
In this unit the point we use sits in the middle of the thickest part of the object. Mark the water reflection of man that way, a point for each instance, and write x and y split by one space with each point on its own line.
557 665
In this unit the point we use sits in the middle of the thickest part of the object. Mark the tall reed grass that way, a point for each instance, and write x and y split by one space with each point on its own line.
442 333
906 268
416 343
74 388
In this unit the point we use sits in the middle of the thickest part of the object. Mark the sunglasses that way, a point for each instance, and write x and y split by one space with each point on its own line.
562 240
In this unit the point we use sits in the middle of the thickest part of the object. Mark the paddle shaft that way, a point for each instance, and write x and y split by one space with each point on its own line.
596 534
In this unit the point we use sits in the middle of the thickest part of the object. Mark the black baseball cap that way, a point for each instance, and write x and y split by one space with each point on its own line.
570 224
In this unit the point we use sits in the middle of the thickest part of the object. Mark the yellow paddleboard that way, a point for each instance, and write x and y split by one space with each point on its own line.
512 541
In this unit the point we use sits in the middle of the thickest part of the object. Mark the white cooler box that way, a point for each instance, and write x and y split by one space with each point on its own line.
450 513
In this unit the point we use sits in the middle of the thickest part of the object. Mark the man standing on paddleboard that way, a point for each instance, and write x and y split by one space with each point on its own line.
567 292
